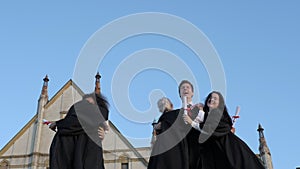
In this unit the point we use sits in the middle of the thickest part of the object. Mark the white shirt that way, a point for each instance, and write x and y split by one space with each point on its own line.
200 117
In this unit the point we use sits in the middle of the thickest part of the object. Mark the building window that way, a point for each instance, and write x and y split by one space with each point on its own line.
124 165
46 164
4 165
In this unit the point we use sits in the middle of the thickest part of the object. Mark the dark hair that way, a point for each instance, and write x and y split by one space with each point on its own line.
102 101
183 82
99 98
221 106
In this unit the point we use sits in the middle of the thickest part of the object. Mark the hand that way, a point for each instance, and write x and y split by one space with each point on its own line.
200 106
232 130
157 126
187 119
101 133
53 126
106 127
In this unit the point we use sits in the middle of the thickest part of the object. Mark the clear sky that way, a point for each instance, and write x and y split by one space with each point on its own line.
257 43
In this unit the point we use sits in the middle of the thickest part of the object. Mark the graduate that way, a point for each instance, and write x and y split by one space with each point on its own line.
186 93
220 148
77 143
177 144
170 149
164 105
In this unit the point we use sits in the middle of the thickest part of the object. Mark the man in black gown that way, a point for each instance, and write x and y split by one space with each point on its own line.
186 89
177 144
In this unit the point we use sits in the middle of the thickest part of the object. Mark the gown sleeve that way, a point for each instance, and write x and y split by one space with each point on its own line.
70 124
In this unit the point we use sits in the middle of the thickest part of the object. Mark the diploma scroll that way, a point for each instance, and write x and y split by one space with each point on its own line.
185 106
236 116
48 123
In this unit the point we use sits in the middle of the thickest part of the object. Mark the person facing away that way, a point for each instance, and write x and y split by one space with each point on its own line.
164 105
77 143
220 148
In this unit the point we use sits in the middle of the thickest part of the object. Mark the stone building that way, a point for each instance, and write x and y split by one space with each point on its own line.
29 148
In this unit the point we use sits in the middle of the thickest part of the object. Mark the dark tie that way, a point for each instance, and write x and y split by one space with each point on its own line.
189 108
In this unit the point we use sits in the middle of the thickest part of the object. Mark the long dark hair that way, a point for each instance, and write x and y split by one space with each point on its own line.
221 106
99 98
102 101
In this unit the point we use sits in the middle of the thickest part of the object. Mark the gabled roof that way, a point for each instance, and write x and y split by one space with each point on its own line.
51 101
18 135
59 93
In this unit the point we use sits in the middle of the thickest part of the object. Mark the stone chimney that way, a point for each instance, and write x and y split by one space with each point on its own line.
44 93
264 151
97 83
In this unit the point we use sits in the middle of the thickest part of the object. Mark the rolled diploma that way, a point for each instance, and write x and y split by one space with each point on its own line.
48 123
185 105
237 111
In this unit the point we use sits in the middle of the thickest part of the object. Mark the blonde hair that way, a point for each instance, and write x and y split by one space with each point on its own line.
164 104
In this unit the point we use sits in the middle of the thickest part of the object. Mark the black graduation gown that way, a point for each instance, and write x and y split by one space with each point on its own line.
224 150
193 144
170 150
77 146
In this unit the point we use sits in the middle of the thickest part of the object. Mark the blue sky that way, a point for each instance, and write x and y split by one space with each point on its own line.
257 43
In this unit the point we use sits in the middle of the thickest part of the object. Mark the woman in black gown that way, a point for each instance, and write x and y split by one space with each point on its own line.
219 147
170 150
77 142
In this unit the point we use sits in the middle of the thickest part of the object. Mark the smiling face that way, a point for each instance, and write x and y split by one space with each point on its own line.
213 101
